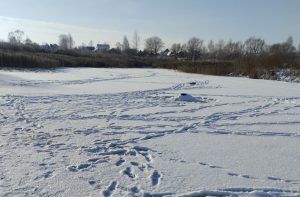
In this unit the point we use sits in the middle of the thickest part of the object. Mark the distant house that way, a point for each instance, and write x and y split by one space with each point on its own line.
86 49
45 46
165 53
90 48
54 46
114 51
103 47
49 46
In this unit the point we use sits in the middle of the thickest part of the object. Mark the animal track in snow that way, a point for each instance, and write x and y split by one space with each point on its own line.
234 174
283 180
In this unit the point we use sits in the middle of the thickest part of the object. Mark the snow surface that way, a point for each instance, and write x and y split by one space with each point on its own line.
123 132
187 98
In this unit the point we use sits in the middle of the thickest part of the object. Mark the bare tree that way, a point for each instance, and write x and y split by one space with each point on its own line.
254 46
176 49
16 37
119 46
233 49
219 46
66 41
211 47
153 44
63 41
284 50
194 47
91 43
126 45
288 45
184 47
28 41
135 41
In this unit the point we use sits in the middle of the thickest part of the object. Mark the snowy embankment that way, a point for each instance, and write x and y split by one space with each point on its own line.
143 132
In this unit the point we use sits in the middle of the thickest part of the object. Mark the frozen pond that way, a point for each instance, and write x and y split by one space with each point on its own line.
128 132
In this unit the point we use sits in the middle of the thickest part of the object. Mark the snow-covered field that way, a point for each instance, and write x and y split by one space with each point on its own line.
130 132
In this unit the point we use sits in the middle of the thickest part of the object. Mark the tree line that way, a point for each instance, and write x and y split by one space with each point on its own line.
250 57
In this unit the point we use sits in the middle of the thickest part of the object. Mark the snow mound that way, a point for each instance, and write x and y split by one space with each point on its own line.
187 98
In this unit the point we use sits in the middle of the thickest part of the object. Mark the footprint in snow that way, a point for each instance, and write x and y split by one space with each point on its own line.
45 175
82 166
155 177
232 174
134 190
92 182
279 179
72 168
120 162
212 166
247 176
111 188
129 172
97 160
147 157
134 163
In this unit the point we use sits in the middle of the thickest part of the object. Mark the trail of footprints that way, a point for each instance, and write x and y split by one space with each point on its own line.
135 162
235 174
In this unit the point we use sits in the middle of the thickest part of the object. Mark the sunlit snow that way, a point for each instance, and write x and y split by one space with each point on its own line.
133 132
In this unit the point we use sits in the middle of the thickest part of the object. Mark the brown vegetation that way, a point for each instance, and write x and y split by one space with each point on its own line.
253 58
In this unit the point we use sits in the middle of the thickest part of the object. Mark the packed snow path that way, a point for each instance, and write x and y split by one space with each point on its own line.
115 132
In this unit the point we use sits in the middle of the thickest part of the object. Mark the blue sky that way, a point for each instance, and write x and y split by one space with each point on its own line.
172 20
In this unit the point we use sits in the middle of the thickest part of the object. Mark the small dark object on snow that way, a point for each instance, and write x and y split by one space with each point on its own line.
192 83
187 98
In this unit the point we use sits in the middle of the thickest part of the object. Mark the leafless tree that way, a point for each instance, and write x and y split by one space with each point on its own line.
28 41
91 43
219 46
285 48
288 45
119 46
126 45
16 37
254 46
233 49
176 48
211 47
66 41
194 47
153 44
135 41
184 47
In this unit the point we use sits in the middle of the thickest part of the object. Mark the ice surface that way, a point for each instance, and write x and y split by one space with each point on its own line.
128 132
